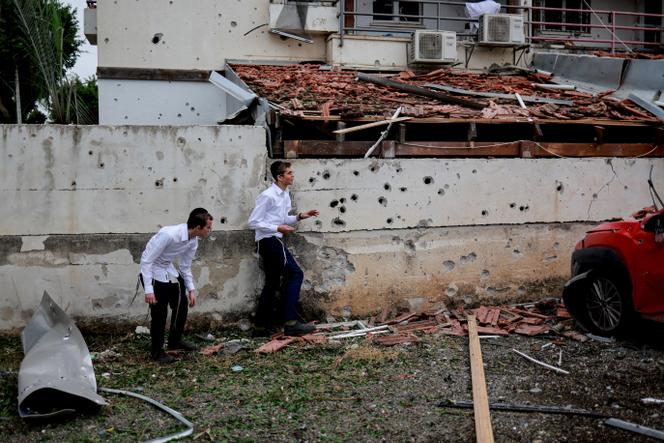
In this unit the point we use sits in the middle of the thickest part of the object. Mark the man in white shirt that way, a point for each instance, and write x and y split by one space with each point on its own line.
165 286
271 221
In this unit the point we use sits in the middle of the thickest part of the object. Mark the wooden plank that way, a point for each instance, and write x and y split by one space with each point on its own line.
416 90
328 148
371 125
528 149
483 430
596 150
325 148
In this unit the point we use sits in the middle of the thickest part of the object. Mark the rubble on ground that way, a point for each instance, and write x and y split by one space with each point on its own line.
547 317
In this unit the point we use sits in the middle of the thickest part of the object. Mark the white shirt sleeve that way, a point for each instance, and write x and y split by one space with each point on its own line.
257 219
185 266
153 249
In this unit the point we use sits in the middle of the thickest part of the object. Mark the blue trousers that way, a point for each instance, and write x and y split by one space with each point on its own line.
277 263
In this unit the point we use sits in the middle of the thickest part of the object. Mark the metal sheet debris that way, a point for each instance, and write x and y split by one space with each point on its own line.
588 73
648 106
56 374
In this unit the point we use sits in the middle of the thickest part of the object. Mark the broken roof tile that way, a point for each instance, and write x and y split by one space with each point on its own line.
301 89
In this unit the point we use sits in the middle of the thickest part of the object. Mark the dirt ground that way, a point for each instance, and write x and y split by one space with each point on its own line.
355 391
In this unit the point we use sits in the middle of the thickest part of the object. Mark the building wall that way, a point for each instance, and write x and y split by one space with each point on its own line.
180 34
81 202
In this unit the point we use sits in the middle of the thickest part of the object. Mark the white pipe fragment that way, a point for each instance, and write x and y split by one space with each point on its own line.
360 332
383 134
521 103
553 368
652 401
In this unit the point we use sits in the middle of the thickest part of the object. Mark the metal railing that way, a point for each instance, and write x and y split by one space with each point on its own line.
577 28
392 21
609 23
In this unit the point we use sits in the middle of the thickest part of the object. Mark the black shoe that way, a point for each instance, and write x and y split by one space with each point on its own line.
163 358
181 346
260 332
298 329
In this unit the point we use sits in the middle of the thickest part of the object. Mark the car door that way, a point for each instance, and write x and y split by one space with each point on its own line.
649 289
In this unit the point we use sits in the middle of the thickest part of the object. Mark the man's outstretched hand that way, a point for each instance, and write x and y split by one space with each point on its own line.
310 213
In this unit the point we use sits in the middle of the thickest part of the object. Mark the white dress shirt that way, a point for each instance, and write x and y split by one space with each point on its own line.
272 208
165 246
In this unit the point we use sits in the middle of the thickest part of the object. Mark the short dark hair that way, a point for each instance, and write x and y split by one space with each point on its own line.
278 168
198 218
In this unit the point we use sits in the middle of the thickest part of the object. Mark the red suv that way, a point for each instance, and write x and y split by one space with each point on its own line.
618 272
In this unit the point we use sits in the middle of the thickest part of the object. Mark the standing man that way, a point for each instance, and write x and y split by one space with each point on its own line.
271 221
165 286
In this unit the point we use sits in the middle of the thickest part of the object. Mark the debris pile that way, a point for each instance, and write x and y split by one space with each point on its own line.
310 91
546 317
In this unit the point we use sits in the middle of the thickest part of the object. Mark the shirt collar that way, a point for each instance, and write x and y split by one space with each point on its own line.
277 189
183 232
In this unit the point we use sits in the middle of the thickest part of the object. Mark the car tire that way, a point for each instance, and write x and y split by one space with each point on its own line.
606 306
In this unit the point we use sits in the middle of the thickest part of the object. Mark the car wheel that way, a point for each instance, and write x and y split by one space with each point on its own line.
606 308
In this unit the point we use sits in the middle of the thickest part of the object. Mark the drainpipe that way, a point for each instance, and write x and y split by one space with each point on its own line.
19 117
342 18
613 32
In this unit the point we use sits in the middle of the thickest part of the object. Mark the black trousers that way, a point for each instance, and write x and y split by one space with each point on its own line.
277 263
175 296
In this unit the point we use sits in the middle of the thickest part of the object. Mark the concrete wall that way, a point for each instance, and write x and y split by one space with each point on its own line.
125 179
81 202
148 102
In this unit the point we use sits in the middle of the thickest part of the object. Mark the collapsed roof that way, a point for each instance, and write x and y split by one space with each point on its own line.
308 91
318 110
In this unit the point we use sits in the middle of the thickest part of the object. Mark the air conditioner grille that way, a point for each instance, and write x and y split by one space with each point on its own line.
431 46
498 29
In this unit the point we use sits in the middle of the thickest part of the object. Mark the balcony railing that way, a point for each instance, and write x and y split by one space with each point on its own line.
618 30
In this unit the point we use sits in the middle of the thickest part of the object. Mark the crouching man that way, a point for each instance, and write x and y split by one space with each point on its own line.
271 221
165 286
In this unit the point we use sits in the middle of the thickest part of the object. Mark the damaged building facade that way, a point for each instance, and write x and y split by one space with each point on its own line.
477 192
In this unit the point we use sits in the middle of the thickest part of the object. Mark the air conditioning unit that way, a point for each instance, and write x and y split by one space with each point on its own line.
501 29
432 47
